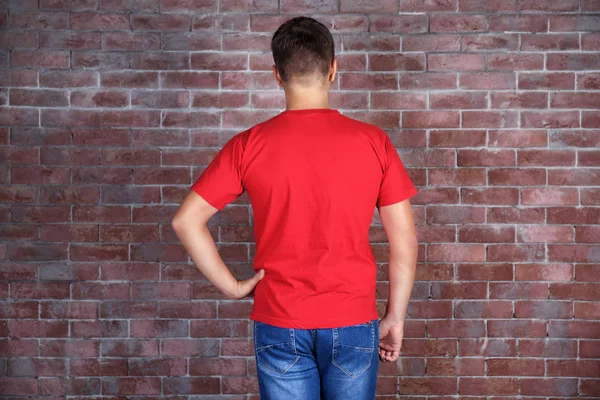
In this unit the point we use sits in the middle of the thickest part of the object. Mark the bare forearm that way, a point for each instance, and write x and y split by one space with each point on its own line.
401 277
201 247
401 271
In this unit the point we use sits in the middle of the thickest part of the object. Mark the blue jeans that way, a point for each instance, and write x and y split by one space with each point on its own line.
310 364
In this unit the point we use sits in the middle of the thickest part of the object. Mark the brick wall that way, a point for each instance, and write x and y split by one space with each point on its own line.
112 108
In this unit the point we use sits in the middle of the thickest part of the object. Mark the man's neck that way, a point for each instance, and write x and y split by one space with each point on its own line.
306 98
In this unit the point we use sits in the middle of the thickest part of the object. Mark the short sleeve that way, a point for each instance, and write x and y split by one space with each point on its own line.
221 181
396 185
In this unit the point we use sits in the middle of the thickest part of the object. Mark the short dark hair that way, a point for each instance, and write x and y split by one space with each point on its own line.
302 46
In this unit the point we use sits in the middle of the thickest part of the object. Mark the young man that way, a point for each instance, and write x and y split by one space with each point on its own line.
314 178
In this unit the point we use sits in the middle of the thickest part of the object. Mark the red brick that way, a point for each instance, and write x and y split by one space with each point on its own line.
490 42
519 100
590 119
590 273
18 347
204 385
487 271
455 214
588 81
161 290
532 5
433 385
455 328
57 59
451 290
520 290
131 385
548 387
398 100
515 62
489 119
518 23
545 42
38 329
458 177
456 252
159 366
407 23
544 272
190 347
551 80
386 6
587 310
458 100
92 329
488 347
486 234
496 196
517 177
355 81
575 368
585 61
550 158
516 328
19 310
433 6
486 158
483 309
21 19
91 367
544 233
396 62
457 23
440 42
575 291
551 348
590 196
543 309
97 21
515 253
589 349
158 328
129 348
69 310
68 5
572 253
18 386
549 196
430 119
573 23
574 329
455 62
511 367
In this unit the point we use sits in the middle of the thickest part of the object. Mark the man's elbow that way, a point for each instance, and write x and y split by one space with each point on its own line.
178 223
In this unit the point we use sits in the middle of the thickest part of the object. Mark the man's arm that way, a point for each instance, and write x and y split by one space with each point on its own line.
190 226
400 229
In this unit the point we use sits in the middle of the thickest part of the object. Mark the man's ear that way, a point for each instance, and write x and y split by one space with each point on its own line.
277 76
333 69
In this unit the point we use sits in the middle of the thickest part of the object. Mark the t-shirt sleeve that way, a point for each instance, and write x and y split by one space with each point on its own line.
396 185
221 181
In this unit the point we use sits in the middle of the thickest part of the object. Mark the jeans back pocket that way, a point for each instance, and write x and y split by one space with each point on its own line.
274 347
353 347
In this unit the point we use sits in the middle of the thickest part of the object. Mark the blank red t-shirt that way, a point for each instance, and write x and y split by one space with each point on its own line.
314 178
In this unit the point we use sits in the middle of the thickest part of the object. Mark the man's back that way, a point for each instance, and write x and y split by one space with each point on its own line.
314 178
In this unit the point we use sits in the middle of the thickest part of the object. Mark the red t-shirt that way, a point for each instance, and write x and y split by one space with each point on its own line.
314 178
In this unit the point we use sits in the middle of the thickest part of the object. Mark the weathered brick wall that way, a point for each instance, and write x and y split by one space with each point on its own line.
112 108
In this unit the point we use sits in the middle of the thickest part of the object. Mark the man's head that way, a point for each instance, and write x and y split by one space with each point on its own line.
303 50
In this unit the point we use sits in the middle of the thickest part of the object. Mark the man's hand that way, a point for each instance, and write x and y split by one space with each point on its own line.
390 339
246 286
